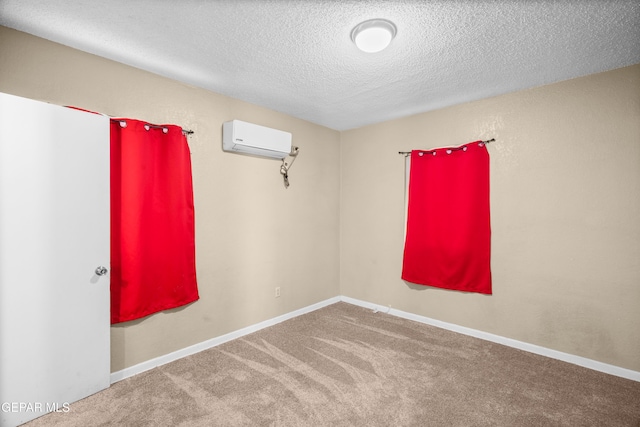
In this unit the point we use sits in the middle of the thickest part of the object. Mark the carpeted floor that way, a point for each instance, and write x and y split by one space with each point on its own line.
344 365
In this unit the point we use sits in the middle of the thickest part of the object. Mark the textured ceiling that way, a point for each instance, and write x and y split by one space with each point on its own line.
297 57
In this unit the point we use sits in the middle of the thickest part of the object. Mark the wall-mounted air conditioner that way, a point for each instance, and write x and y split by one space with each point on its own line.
247 138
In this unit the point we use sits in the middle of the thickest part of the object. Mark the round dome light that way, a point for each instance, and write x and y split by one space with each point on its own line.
373 35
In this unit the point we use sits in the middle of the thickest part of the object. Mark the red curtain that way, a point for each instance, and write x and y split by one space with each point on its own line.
152 220
448 241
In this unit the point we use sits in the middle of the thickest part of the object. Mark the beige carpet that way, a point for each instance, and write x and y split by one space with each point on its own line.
347 366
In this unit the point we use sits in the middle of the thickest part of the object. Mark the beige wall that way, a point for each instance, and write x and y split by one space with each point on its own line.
565 208
252 234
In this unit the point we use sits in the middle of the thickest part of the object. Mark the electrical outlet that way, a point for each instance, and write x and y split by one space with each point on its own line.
278 292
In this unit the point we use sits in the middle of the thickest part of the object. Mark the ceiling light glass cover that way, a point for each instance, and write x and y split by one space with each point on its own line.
373 35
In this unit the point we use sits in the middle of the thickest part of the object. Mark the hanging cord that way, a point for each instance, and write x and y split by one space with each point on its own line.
284 169
449 150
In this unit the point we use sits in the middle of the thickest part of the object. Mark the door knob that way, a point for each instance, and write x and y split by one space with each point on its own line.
101 271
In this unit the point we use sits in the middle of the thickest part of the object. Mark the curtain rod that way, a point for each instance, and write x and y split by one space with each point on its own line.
185 131
406 153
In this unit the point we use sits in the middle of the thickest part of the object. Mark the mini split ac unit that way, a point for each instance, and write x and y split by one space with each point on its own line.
247 138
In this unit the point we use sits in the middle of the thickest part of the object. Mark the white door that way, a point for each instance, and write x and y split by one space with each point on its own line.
54 234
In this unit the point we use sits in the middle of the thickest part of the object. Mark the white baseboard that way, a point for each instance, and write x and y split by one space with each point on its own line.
196 348
531 348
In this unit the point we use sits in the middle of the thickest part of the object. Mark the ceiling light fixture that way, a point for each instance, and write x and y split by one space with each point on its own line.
373 35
